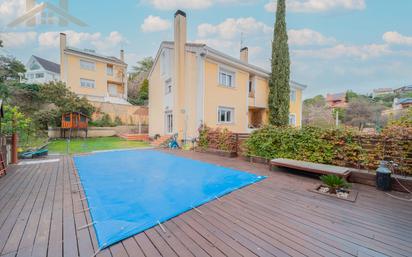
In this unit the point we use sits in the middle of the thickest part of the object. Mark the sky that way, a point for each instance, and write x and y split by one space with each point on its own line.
335 45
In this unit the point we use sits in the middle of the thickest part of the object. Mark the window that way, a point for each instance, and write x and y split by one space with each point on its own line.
86 65
292 119
169 122
34 66
109 70
292 95
112 88
87 83
168 86
39 75
226 78
225 115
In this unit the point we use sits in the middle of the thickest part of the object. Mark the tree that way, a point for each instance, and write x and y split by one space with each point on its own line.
10 69
316 113
15 121
279 88
143 67
362 111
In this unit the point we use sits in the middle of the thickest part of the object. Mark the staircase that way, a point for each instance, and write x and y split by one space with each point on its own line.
135 137
161 140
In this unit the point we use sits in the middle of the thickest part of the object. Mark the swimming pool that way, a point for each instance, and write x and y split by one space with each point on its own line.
130 191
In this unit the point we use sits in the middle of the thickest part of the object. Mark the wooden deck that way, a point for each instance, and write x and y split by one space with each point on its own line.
40 204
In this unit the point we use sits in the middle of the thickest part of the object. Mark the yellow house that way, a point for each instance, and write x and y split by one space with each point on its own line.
192 84
101 79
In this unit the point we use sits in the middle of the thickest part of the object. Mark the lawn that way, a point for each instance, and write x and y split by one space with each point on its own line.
79 145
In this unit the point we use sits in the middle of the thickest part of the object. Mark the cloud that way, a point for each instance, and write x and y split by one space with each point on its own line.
18 39
155 23
192 4
318 5
11 9
393 37
304 37
362 52
77 39
231 28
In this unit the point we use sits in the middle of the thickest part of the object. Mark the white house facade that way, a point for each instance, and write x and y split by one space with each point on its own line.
39 70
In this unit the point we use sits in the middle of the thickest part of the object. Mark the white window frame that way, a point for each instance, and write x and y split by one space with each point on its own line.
168 86
292 117
87 65
110 70
293 93
168 122
39 75
226 73
226 109
87 83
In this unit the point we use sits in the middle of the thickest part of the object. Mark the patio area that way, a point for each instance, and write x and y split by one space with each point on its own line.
41 215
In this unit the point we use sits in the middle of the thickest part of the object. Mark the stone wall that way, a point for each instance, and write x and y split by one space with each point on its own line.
99 131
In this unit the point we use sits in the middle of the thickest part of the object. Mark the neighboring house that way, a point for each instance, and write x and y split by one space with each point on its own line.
401 103
381 91
39 70
336 100
192 84
101 79
404 89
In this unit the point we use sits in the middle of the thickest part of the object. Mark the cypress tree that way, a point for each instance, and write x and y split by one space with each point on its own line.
279 88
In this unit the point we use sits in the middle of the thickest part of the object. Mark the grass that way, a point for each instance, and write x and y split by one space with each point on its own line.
78 145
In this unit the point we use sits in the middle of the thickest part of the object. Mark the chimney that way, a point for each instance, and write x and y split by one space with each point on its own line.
122 55
244 54
63 45
179 68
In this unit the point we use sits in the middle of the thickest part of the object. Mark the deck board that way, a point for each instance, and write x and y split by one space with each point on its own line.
41 213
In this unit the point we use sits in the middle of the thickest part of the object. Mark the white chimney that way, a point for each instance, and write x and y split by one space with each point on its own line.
244 54
63 45
122 55
179 69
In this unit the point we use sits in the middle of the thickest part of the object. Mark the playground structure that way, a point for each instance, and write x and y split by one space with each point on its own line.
74 121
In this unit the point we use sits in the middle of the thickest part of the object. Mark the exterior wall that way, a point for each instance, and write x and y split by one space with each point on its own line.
127 113
216 95
156 102
48 76
261 93
74 73
296 107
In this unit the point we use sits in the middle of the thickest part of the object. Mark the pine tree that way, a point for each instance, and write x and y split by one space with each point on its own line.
279 88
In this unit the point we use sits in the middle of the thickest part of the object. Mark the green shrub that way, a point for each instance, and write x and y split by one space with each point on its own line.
118 121
104 121
334 182
286 142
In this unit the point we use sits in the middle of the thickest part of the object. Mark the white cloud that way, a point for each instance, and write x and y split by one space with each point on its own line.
339 51
11 9
393 37
176 4
155 23
77 39
17 39
192 4
303 37
231 28
318 5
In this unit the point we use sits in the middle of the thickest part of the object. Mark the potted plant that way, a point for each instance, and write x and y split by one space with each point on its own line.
335 186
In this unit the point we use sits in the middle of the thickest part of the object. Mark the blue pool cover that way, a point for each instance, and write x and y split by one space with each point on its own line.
131 191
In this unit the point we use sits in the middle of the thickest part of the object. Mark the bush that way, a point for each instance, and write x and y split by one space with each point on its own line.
221 139
304 144
104 121
118 121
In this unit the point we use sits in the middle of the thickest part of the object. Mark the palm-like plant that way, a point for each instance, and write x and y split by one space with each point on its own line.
334 182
